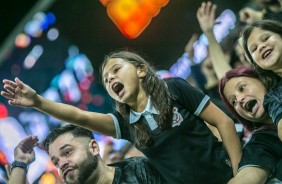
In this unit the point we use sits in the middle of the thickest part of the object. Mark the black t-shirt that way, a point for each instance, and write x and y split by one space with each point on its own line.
264 150
187 152
136 170
272 103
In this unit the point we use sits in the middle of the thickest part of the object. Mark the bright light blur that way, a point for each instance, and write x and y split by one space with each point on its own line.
47 178
182 68
53 34
22 40
133 16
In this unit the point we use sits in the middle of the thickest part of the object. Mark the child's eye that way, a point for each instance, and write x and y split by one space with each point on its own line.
265 38
234 102
116 70
241 88
106 81
253 49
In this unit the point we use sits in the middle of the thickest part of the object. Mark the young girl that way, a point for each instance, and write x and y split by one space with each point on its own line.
262 42
242 92
163 119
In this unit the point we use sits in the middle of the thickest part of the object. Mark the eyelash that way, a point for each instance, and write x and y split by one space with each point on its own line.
116 70
241 88
265 38
68 152
233 102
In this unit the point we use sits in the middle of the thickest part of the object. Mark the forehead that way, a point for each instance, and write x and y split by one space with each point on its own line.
62 140
257 32
111 62
233 83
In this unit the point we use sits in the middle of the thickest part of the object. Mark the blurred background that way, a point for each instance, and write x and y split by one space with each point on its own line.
57 47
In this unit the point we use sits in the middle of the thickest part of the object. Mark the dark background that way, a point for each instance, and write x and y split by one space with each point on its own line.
86 24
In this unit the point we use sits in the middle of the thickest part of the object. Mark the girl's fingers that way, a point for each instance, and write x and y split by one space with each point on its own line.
212 14
13 102
7 95
19 83
10 89
5 81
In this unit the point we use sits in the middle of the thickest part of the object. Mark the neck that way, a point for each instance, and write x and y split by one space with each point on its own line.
141 101
104 174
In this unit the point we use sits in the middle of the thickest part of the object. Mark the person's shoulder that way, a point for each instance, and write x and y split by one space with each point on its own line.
175 81
132 162
265 134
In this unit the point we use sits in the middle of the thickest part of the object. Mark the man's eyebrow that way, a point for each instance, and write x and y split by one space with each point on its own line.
61 148
108 72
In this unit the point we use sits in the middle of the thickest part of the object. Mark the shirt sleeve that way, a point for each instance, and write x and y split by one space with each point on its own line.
122 130
263 150
190 97
273 103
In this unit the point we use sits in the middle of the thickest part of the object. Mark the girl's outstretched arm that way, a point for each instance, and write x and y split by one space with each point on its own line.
20 94
225 125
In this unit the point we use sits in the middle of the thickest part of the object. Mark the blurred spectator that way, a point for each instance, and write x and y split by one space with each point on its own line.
126 151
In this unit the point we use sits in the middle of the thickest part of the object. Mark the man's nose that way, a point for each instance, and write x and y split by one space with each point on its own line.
63 164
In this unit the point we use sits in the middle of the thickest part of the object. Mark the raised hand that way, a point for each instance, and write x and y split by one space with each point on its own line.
24 150
206 16
18 93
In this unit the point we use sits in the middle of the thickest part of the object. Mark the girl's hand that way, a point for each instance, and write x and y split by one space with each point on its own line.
206 17
18 93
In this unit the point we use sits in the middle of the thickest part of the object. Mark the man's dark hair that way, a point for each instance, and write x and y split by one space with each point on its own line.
74 130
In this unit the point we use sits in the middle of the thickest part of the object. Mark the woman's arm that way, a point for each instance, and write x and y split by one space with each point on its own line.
206 19
216 117
20 94
250 175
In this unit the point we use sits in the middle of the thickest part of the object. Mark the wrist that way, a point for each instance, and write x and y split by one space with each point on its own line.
20 164
37 101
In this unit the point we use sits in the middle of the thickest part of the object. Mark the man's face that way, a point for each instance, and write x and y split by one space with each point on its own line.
73 159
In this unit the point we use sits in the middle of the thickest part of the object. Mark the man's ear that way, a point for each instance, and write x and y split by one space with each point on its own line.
94 147
142 70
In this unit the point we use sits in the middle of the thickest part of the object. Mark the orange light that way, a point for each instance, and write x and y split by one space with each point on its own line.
133 16
48 178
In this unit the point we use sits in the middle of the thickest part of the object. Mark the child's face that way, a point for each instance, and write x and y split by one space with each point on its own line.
122 80
245 95
265 48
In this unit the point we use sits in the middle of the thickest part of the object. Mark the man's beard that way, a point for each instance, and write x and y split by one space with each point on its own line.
85 169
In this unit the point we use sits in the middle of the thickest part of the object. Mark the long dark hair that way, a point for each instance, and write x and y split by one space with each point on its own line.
268 25
155 88
240 72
